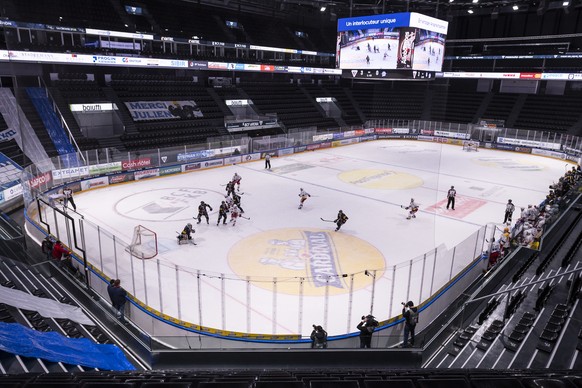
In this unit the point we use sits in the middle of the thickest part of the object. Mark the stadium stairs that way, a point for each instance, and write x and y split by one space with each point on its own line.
536 326
35 121
38 282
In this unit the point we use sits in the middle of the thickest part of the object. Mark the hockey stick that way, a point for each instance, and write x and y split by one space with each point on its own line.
326 220
246 218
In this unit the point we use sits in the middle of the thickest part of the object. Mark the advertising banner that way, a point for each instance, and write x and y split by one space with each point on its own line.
94 183
250 157
146 174
104 168
204 154
7 134
12 192
119 178
285 151
191 167
454 135
529 143
70 172
232 160
40 180
170 170
136 163
552 154
163 110
212 163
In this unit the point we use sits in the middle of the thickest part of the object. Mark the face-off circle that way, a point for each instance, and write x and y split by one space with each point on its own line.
168 204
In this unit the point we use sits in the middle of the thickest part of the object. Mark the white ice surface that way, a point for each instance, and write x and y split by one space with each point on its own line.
377 228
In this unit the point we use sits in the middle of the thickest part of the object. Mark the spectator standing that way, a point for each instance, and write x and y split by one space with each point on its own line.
410 315
118 295
366 328
318 338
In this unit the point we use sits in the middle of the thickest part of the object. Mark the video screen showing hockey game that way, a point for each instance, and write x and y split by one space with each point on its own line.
374 45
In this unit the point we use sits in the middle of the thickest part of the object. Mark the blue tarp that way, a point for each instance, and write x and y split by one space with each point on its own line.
51 121
52 346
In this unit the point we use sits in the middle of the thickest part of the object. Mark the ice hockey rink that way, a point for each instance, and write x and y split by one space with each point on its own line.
227 281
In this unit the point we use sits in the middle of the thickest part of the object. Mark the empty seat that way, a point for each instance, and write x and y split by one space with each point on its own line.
333 384
225 384
279 384
495 382
443 383
389 384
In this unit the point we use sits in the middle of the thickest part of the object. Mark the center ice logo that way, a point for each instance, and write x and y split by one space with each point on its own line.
170 204
381 179
305 261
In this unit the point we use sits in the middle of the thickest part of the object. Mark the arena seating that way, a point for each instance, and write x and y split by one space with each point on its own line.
535 113
19 276
86 13
314 378
390 101
290 103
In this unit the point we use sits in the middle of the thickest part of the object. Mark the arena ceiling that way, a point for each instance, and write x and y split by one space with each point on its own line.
346 8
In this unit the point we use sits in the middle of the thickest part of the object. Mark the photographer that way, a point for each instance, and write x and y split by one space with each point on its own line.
410 315
366 328
318 338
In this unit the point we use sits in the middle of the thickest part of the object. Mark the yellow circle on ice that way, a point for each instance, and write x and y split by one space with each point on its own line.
306 261
381 179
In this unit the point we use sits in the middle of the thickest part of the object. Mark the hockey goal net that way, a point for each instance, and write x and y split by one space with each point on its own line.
470 145
144 244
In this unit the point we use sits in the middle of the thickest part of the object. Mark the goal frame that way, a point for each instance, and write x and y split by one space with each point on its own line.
143 236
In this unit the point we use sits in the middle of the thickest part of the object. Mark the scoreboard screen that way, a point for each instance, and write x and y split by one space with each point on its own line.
392 46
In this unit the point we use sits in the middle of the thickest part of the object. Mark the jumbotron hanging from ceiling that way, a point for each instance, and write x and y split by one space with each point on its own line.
404 45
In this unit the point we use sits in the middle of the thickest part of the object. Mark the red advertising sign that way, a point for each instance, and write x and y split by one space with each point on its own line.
383 130
43 179
136 163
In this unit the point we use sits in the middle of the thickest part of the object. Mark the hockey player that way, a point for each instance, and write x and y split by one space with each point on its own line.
202 212
235 210
340 220
412 209
236 181
68 198
230 188
228 200
236 201
509 209
303 195
186 234
222 213
451 197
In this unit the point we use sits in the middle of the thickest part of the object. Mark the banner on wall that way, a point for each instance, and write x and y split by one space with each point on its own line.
136 163
94 183
163 110
12 192
529 143
7 134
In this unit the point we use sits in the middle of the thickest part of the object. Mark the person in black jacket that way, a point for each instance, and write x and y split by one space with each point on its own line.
118 296
410 315
366 328
318 338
